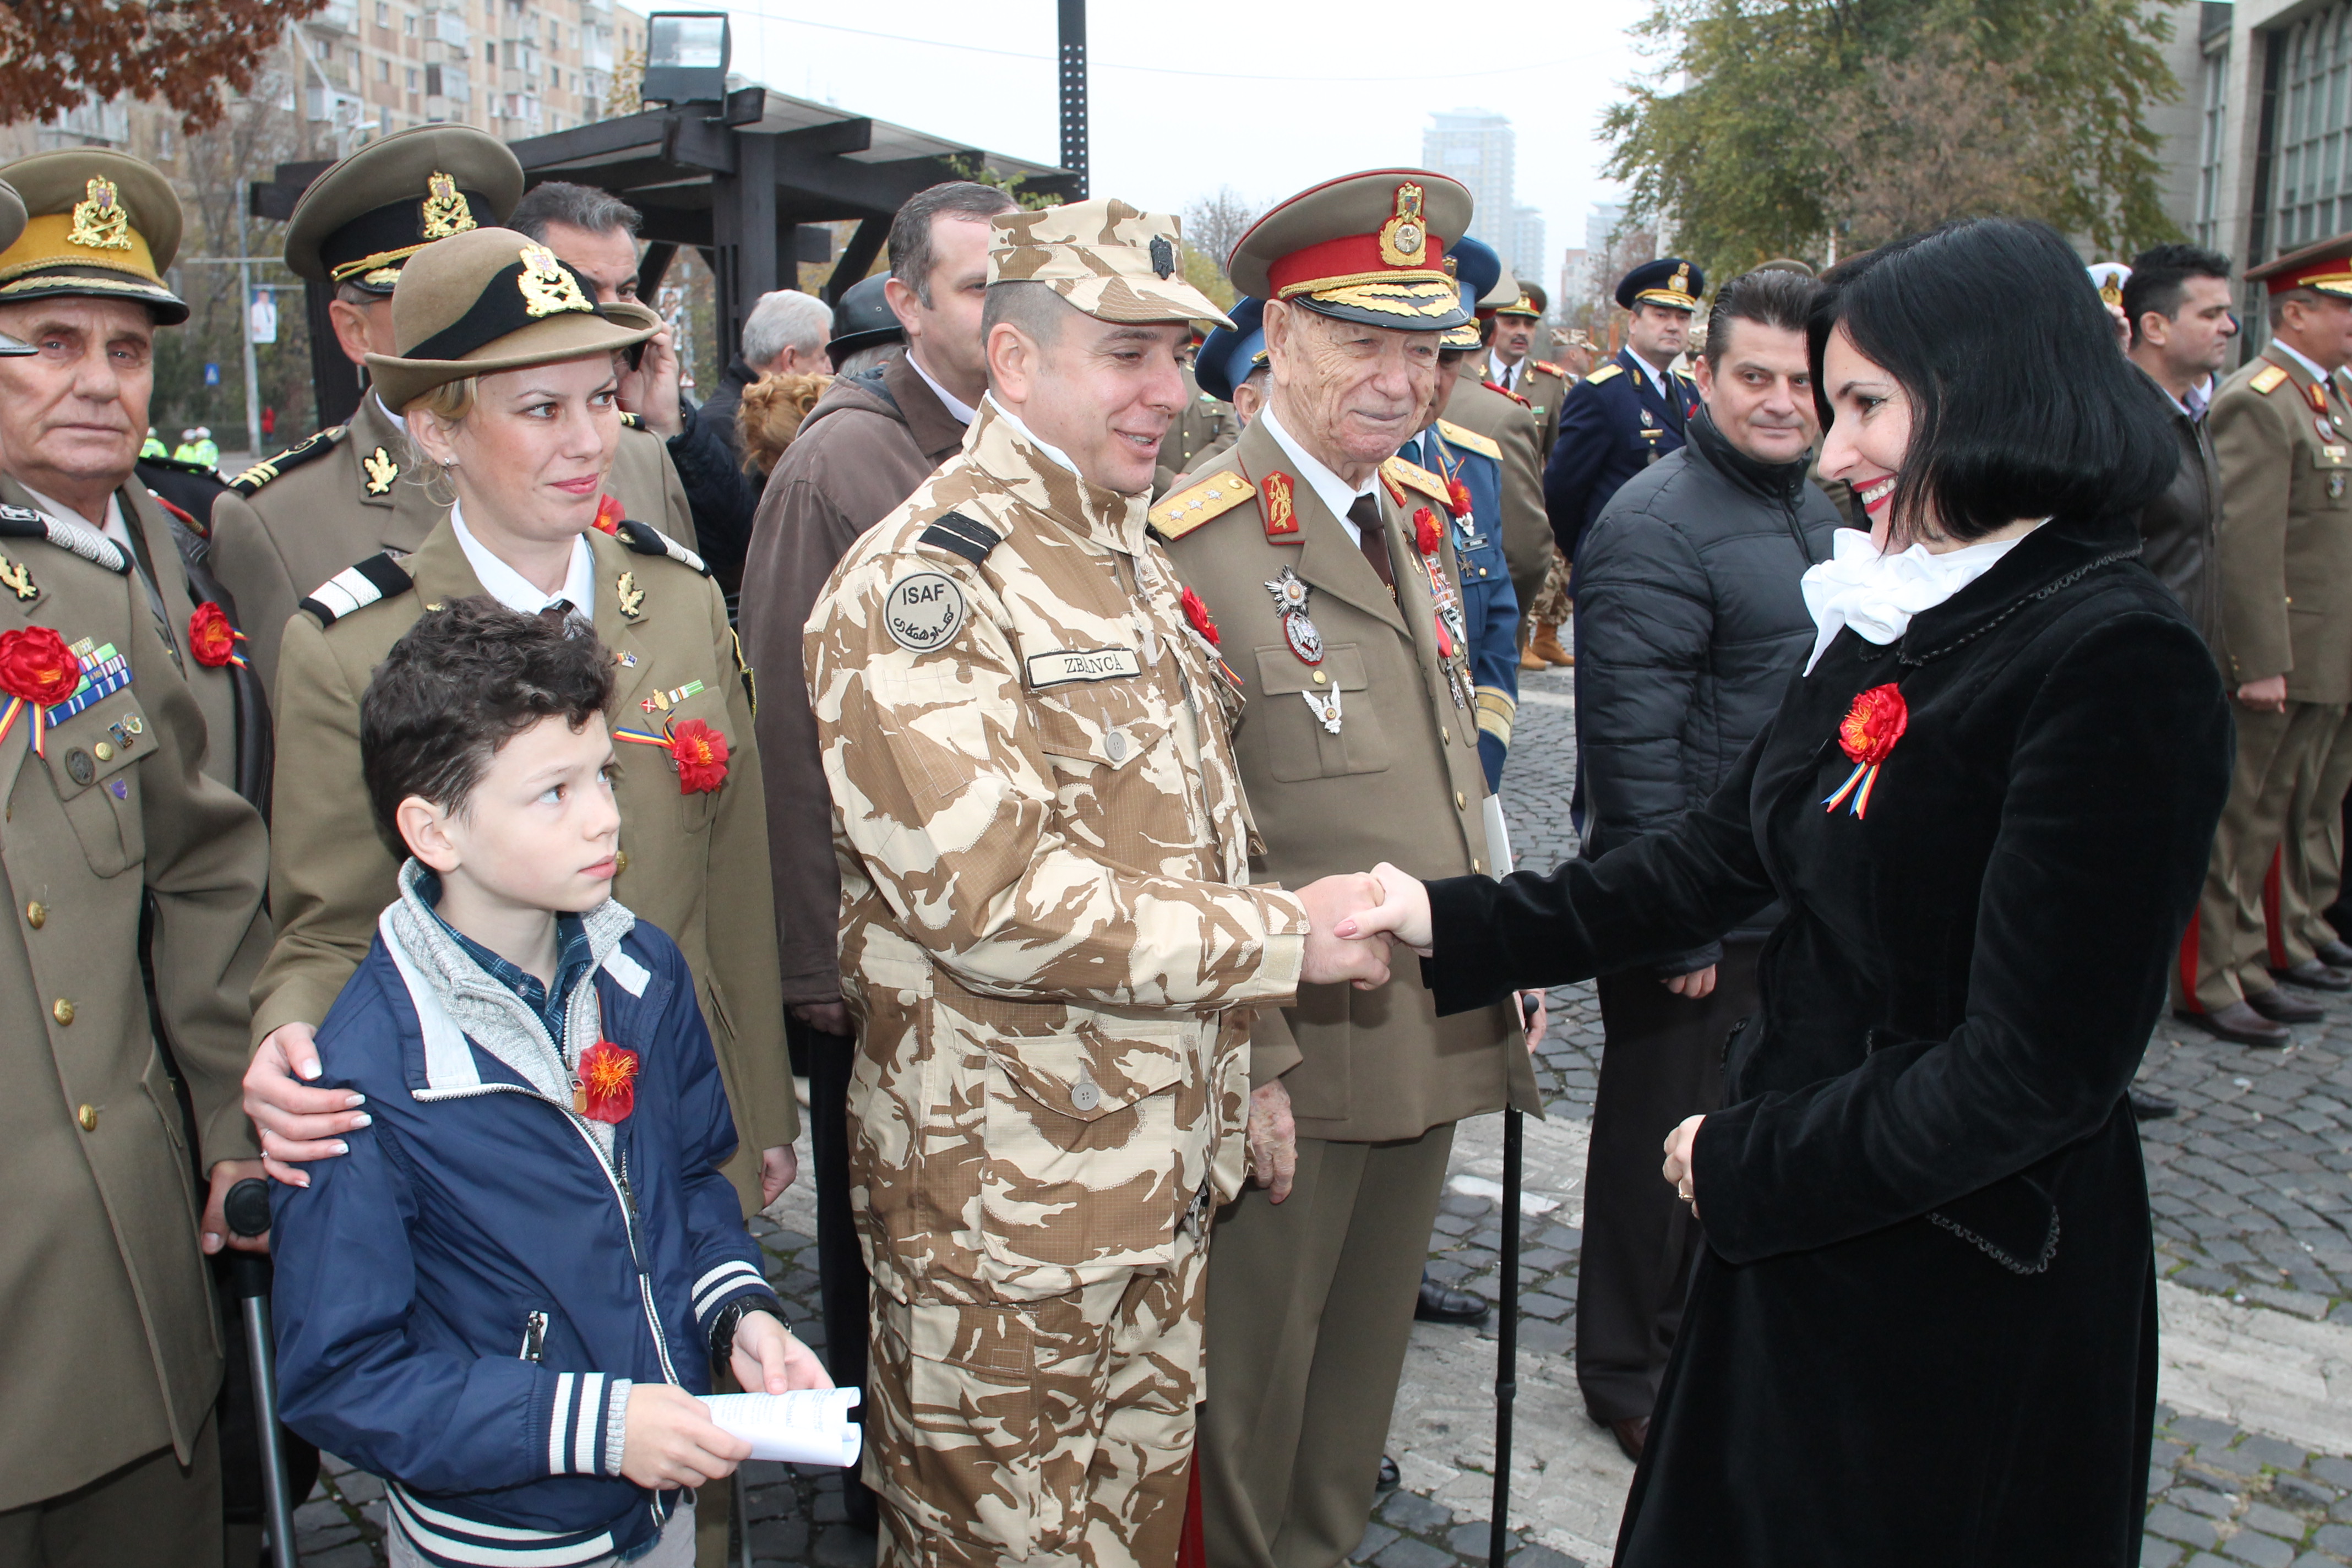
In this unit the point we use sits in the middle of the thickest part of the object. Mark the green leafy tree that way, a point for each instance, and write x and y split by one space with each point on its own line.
1783 127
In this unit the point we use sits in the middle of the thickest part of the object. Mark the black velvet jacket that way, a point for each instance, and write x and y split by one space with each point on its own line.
1925 1330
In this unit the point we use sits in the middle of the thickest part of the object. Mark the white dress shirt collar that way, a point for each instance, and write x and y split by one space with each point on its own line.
1335 494
518 593
964 412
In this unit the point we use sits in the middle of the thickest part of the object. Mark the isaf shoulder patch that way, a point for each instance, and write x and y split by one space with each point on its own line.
959 535
355 588
922 611
645 539
287 461
1181 511
2268 379
1469 440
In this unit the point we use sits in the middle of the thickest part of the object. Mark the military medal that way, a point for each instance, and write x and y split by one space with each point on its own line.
1866 733
697 751
1453 633
663 701
1298 628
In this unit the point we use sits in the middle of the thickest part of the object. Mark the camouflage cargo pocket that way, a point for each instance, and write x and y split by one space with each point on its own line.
1083 1169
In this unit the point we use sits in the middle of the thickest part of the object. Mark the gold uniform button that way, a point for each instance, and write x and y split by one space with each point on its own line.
36 914
1477 865
105 750
61 1010
620 861
1445 734
1460 804
87 1117
1319 678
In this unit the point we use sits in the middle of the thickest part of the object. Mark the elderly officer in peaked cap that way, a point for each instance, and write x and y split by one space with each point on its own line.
1631 410
296 520
1049 933
117 848
85 280
1330 567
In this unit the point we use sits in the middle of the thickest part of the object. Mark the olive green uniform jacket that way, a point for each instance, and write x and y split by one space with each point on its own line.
1400 782
1526 527
696 865
288 524
110 1348
2285 546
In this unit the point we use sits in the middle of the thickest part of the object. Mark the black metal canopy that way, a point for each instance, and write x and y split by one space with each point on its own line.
738 179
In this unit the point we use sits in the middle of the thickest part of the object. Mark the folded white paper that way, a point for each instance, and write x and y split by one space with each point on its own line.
807 1426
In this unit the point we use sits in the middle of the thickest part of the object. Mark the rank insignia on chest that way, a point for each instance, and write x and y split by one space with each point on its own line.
1291 594
1647 423
1274 491
18 580
663 701
632 597
380 471
1324 706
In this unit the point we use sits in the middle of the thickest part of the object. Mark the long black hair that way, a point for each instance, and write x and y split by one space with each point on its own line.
2022 402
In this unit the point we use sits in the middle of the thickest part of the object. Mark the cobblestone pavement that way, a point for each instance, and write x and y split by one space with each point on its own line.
2251 1188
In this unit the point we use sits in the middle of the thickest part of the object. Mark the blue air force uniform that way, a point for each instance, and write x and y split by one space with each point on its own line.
1490 604
1618 421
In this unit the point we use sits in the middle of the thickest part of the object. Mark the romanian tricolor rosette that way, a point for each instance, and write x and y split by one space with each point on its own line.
37 672
609 514
698 752
1866 733
212 638
605 1088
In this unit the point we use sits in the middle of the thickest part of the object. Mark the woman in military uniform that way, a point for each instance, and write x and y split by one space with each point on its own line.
506 381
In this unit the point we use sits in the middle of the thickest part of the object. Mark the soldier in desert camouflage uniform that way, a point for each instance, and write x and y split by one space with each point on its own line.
1048 931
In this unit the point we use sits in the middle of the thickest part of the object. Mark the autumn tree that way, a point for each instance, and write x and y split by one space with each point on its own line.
1780 127
55 53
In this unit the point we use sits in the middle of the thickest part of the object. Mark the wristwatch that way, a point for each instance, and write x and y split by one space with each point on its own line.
731 1318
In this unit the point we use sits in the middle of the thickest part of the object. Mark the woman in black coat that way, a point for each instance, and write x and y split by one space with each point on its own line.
1924 1331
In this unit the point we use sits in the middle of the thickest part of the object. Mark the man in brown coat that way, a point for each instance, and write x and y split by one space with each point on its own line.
2178 302
1331 579
868 442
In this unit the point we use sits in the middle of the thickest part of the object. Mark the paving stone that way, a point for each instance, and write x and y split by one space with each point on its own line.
2204 1432
1407 1553
2272 1452
2261 1550
1419 1514
2314 1560
2333 1538
321 1515
2174 1524
784 1539
1376 1536
358 1487
309 1541
844 1546
2271 1520
2155 1554
2336 1472
1542 1557
1471 1540
2302 1491
2198 1499
356 1554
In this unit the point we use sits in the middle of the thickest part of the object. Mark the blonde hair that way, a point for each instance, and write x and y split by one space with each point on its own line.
449 403
770 415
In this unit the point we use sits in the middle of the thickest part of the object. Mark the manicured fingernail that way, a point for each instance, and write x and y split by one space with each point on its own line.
341 1147
1345 927
300 1180
362 1120
307 1070
355 1101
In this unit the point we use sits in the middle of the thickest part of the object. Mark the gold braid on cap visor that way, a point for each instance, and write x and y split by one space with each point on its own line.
1429 295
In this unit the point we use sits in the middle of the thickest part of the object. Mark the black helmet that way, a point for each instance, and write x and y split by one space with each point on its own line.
863 319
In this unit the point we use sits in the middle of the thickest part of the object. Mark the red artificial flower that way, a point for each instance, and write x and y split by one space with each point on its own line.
211 637
608 514
1457 498
700 752
1425 531
606 1089
1445 643
1873 725
1197 614
36 665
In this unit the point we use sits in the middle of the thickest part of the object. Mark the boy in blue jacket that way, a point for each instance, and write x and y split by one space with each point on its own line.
504 1299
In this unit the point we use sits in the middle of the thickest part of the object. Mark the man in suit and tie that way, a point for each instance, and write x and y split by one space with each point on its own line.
1631 410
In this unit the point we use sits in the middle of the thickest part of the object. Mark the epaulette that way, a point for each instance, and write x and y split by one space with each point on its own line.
1496 386
269 468
646 539
1181 511
1603 374
1548 368
357 587
1470 440
1412 476
959 535
182 465
2268 379
630 421
24 522
185 518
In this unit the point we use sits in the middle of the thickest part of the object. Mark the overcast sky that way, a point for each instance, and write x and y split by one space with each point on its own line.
1267 97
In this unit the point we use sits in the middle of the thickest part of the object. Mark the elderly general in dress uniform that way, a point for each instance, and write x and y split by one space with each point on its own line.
1332 569
296 520
1049 937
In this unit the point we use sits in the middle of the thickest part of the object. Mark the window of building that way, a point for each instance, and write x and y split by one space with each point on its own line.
383 68
383 14
2311 195
2211 140
433 82
412 79
489 54
408 25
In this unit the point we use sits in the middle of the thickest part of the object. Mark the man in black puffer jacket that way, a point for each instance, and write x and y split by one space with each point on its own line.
1690 619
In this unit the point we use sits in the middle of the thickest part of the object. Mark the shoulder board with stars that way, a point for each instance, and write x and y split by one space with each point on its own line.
1412 476
1603 374
356 587
1180 513
293 457
24 522
1469 440
2268 379
646 539
1545 367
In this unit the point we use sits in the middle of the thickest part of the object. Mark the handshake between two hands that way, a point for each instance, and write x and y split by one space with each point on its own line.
1353 920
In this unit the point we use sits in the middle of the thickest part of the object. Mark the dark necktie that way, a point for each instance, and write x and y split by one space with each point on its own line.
1365 513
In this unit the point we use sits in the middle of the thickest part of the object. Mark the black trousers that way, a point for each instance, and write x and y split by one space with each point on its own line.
1662 1060
841 1281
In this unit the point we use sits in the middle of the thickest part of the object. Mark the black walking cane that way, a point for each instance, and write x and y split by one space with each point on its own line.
1506 1347
246 1208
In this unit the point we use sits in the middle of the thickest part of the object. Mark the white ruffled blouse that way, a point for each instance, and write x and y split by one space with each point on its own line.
1878 595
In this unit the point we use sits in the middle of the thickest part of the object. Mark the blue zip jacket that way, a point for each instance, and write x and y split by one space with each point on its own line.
457 1297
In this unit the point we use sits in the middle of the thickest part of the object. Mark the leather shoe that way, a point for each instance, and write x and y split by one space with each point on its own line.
1390 1479
2313 975
2334 954
1440 1305
2238 1024
2281 1008
2150 1108
1631 1434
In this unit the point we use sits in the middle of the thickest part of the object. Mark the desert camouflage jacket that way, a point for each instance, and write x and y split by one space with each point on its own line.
1047 929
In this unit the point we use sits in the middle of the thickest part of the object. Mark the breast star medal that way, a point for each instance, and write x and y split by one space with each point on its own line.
1298 628
1866 733
631 597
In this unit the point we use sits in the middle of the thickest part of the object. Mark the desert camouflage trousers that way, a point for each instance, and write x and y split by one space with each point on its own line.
1055 1433
1551 606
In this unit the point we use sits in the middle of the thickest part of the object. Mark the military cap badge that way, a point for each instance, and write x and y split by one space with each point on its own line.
100 222
445 212
1404 238
547 287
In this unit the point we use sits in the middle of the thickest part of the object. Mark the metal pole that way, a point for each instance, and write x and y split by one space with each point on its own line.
1074 91
247 1211
1506 1349
245 323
